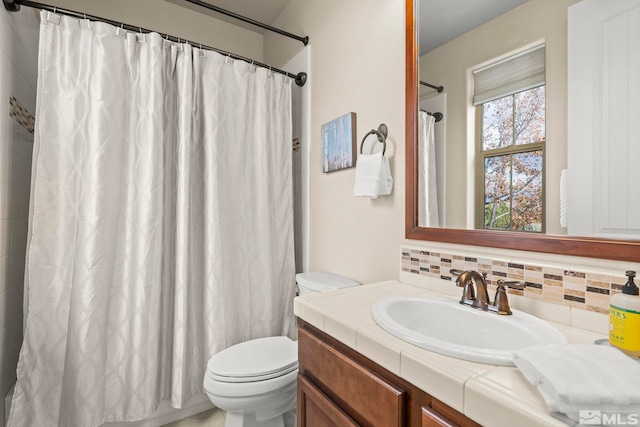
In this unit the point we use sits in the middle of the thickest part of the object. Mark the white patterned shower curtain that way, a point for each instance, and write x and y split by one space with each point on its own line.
427 173
161 222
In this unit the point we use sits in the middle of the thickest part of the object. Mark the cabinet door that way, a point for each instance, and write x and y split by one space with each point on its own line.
433 418
317 410
364 395
603 197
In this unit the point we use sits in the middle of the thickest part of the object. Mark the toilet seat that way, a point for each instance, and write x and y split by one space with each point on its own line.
251 379
255 360
239 390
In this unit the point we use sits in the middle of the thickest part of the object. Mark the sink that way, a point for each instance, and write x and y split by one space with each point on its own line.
445 326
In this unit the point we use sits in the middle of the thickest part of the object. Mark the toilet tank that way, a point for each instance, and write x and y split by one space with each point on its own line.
319 281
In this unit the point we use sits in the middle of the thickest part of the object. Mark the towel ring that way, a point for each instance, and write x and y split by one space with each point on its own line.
381 133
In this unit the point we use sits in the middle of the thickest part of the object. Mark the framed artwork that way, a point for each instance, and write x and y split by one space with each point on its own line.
339 143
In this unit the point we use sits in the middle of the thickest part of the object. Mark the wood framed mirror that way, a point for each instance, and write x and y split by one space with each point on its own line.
622 250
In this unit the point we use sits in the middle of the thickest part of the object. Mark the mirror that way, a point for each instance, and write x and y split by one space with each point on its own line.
550 243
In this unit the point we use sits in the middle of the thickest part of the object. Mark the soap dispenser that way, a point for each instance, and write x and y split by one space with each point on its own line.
624 318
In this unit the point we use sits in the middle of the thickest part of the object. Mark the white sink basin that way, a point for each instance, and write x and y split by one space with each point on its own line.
450 328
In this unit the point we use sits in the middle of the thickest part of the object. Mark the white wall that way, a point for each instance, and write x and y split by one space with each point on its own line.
18 75
450 65
357 65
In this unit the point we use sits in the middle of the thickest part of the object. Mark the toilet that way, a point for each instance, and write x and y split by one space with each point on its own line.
255 381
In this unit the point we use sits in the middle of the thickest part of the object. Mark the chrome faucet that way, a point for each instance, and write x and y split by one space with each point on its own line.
479 298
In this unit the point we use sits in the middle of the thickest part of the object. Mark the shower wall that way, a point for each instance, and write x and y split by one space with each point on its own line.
18 77
300 99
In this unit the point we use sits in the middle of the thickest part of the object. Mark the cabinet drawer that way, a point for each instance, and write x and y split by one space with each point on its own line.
317 410
432 418
362 394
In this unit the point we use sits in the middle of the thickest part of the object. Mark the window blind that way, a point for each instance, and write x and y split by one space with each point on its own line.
514 74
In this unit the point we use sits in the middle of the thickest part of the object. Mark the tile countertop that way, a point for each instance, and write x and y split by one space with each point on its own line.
488 394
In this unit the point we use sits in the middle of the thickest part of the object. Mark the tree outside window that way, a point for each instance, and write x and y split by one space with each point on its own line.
512 160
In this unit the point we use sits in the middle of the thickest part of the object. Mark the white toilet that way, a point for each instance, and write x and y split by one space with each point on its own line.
255 381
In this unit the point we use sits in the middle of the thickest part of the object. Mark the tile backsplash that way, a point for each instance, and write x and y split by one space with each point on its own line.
585 290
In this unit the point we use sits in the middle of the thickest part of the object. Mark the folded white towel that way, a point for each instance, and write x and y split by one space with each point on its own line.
373 176
574 378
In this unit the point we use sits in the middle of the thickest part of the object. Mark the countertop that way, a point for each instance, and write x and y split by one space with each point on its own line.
488 394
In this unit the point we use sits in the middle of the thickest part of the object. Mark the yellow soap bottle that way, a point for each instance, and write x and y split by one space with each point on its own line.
624 318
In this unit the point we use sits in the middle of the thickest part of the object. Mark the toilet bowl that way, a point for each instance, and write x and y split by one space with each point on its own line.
255 381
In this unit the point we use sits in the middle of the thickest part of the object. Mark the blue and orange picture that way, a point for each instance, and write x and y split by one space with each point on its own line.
338 143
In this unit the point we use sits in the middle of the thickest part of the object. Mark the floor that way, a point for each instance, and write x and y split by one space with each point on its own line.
212 418
216 417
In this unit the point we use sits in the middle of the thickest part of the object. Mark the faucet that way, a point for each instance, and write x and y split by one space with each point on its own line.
480 297
466 279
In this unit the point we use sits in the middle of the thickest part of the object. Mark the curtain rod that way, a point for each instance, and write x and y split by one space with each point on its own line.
14 6
437 115
304 40
438 88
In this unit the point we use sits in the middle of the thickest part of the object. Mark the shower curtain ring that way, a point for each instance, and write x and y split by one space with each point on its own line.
55 9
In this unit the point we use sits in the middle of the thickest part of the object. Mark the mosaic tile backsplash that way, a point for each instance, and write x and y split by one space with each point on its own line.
577 289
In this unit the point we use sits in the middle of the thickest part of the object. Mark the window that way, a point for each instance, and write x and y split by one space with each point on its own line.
510 154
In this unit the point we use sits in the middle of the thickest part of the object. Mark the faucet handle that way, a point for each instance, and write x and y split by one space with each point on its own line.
501 302
513 284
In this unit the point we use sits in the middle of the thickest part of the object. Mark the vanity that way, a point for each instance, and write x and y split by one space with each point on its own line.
338 386
352 372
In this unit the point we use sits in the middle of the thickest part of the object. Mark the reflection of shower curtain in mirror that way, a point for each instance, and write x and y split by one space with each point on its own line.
427 181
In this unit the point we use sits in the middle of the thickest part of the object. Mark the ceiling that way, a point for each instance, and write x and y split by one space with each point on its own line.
441 21
265 11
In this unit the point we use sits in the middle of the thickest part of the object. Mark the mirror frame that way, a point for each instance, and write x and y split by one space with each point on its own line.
620 250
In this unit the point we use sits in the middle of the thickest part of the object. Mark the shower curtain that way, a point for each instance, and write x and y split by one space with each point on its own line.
160 226
427 177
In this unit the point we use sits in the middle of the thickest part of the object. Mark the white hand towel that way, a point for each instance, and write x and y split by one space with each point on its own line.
576 377
373 176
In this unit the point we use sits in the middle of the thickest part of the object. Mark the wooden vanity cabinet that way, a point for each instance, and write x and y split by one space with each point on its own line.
337 386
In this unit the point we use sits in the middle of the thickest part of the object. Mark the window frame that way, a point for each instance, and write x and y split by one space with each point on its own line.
481 155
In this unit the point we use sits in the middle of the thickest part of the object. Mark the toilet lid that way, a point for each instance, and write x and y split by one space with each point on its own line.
254 360
321 281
